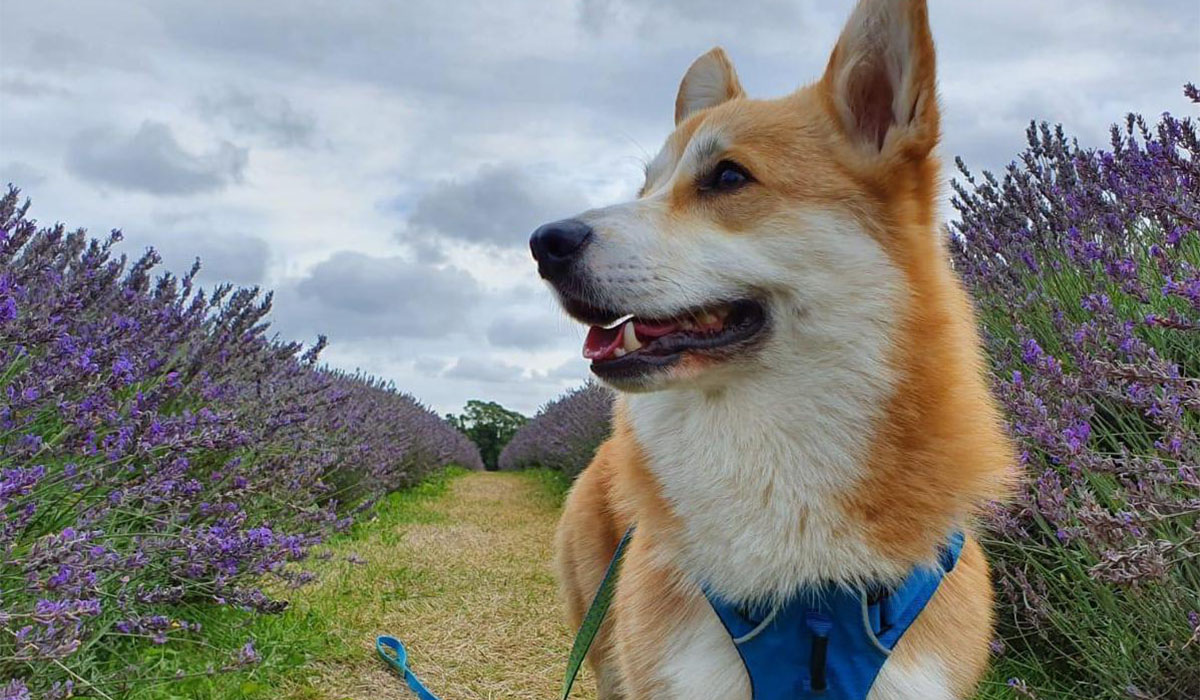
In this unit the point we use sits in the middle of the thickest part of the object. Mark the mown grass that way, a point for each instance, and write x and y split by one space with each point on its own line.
470 593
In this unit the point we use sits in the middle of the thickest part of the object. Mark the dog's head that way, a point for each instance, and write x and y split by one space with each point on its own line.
766 229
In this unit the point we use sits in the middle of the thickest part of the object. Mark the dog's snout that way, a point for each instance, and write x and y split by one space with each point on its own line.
556 245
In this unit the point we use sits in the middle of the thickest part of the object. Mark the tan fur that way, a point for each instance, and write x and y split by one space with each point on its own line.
937 450
710 80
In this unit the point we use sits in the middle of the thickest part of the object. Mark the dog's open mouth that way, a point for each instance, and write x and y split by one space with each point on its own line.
633 344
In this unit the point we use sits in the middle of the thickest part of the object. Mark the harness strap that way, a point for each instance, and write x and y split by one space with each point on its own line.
595 615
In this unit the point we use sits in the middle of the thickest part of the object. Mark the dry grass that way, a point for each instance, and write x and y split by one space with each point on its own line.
468 589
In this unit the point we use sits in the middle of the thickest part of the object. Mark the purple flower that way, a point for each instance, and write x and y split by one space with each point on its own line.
15 690
8 309
247 654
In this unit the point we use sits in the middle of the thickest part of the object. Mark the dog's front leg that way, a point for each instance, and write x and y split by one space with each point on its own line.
670 644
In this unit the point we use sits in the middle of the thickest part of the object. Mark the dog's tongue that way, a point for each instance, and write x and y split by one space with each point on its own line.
602 343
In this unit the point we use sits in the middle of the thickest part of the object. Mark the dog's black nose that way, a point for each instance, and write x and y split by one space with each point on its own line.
555 246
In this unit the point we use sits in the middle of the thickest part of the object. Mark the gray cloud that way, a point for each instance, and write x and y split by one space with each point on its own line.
498 205
429 366
63 52
353 295
152 160
19 86
425 245
689 16
566 96
270 116
613 65
224 257
481 370
574 371
526 332
21 174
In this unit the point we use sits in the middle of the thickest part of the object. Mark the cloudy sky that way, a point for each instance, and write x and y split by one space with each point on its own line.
381 164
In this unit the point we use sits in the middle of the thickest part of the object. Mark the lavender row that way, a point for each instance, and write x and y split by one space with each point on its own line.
159 450
564 434
1085 265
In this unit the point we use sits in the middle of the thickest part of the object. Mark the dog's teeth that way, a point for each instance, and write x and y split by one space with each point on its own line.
708 319
617 322
619 352
687 325
629 340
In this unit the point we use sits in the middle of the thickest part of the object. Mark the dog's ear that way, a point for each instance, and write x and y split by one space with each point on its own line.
881 78
710 81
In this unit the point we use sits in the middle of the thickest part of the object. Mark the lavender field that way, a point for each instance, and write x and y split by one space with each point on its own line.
1085 267
166 466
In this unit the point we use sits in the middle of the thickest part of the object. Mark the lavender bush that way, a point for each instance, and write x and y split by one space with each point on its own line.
564 434
1085 265
159 453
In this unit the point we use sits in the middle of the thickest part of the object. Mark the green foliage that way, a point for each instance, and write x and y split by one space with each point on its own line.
490 426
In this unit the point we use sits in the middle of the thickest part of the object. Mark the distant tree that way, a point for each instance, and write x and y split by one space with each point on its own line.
490 426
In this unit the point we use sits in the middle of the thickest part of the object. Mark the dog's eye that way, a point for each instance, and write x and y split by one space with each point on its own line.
725 177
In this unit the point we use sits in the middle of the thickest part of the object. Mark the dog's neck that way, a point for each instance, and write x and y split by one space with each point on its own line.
755 473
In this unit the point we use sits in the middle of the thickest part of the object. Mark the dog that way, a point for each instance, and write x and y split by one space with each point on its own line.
802 401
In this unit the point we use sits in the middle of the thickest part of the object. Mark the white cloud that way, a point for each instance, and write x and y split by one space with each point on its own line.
21 174
483 370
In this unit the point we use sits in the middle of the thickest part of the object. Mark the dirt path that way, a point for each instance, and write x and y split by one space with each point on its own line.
467 587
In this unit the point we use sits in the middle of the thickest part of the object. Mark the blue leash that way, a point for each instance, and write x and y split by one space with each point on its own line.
392 651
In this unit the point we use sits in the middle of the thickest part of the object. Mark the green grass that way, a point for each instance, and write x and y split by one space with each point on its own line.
552 484
286 642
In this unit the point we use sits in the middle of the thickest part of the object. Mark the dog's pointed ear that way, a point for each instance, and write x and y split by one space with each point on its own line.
881 78
710 81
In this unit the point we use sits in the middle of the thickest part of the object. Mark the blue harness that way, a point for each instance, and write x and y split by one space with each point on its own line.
829 642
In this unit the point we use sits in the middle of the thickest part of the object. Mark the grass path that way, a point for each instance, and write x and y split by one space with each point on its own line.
461 574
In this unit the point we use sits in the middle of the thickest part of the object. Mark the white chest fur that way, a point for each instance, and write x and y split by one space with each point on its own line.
754 474
756 493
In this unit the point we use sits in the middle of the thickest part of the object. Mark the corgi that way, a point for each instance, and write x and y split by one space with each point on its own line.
802 398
